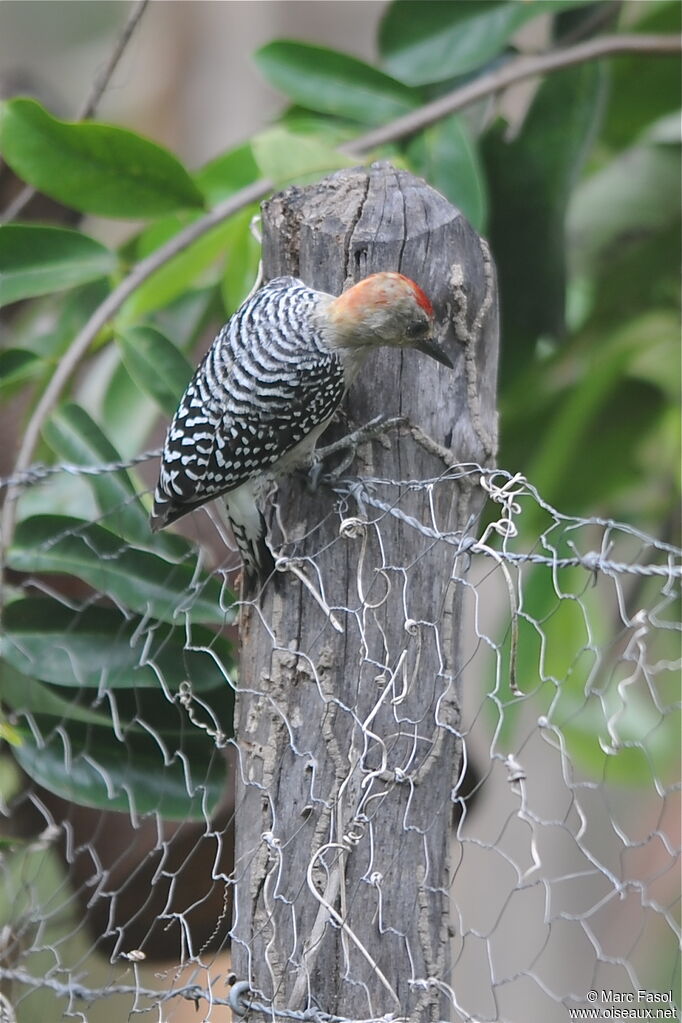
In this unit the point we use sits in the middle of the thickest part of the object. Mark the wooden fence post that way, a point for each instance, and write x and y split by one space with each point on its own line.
348 740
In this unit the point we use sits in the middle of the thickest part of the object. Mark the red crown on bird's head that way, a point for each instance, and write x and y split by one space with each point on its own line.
381 289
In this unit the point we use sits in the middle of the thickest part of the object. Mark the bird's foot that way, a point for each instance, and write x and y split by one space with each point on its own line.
348 446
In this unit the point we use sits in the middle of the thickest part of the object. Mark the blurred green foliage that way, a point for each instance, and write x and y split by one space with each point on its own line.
580 198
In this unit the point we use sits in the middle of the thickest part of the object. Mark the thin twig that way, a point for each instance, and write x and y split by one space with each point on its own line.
102 79
106 71
515 71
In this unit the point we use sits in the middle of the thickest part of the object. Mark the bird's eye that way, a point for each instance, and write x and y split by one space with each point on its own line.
419 328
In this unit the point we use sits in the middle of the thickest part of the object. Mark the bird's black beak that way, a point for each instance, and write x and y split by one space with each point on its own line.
429 347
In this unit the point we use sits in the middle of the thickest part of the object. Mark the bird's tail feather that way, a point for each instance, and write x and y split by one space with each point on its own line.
259 561
249 530
248 527
166 511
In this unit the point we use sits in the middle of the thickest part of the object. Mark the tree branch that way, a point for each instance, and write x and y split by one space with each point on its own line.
516 70
104 76
90 103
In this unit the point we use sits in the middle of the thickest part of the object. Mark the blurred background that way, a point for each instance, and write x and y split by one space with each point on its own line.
188 78
589 400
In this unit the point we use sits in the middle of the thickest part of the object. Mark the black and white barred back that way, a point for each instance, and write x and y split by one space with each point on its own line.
267 382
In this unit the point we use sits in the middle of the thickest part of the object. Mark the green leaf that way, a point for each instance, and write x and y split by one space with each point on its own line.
334 83
598 408
642 88
155 234
174 278
226 174
48 326
135 579
60 493
12 736
634 196
156 365
16 367
27 696
127 413
39 260
283 156
548 655
332 130
578 691
624 238
187 320
93 168
446 155
530 181
658 360
76 438
617 734
141 775
98 648
424 41
243 255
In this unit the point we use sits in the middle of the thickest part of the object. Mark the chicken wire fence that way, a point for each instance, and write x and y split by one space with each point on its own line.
118 675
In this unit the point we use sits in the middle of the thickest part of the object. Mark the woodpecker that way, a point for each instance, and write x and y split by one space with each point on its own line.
269 386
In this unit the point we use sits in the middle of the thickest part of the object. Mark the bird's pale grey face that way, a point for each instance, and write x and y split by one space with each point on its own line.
385 309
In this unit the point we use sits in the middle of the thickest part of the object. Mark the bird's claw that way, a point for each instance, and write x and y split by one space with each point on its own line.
315 474
349 445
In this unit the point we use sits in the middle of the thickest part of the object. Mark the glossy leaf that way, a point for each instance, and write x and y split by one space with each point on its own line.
636 273
423 41
98 648
623 230
127 413
39 260
48 327
226 174
283 156
13 737
530 180
187 320
564 665
599 408
334 83
142 775
16 367
77 439
331 130
642 89
25 695
155 234
446 155
176 276
139 580
547 654
60 493
659 361
632 197
156 365
93 168
241 268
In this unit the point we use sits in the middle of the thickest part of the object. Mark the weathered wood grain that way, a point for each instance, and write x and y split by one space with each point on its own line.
348 741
